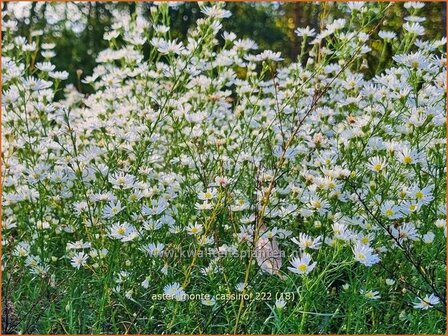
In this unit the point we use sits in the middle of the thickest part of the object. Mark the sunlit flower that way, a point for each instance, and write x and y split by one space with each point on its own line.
194 229
123 231
302 265
377 164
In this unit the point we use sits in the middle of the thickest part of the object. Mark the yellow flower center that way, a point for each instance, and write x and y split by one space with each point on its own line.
419 195
302 267
389 212
407 159
360 256
378 166
121 231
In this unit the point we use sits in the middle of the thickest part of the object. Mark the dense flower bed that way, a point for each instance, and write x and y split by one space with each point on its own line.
312 194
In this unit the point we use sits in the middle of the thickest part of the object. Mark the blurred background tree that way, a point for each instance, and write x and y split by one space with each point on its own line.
77 28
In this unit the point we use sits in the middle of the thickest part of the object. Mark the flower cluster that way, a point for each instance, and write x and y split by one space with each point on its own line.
211 143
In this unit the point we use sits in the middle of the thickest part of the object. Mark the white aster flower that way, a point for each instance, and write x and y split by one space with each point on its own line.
302 265
429 301
364 254
79 259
